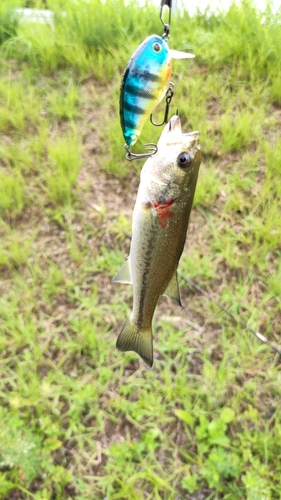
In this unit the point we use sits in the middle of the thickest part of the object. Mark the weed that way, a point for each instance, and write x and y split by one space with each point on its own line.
80 419
12 194
8 21
60 177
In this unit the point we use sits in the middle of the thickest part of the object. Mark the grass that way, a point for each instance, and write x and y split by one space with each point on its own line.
79 419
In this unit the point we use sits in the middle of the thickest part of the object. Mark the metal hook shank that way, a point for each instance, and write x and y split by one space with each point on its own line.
151 150
169 96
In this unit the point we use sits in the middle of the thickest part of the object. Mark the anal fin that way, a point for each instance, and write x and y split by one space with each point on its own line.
172 290
124 274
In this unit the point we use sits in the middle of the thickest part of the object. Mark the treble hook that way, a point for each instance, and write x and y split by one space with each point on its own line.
166 34
169 96
151 147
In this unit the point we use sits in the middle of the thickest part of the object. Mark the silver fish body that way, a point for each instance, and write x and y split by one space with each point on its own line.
160 221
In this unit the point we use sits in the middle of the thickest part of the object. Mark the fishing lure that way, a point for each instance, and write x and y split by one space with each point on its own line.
145 83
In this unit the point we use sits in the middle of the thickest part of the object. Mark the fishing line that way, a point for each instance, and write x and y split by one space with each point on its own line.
194 285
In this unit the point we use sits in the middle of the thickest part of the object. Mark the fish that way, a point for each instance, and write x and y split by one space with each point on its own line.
159 226
145 83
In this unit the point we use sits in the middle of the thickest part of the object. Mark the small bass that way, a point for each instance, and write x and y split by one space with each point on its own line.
160 221
144 84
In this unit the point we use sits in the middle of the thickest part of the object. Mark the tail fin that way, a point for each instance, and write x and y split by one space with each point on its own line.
131 339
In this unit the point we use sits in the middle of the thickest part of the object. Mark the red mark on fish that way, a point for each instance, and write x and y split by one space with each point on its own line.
163 212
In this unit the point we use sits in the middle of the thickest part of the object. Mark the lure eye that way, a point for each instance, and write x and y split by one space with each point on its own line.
184 160
157 47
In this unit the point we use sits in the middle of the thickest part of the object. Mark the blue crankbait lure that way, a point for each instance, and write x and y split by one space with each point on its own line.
145 82
144 85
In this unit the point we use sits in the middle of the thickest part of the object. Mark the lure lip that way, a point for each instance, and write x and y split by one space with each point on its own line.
178 54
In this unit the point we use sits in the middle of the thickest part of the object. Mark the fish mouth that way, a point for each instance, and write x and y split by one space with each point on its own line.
193 136
172 133
174 125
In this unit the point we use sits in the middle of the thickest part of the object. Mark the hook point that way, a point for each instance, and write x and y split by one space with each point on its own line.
169 96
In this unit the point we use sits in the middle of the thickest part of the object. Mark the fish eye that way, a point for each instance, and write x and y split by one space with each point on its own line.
184 160
157 47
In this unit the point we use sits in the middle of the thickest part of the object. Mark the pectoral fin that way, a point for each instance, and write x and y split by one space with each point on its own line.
172 289
124 274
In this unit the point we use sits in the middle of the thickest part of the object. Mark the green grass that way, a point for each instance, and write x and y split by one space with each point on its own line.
80 419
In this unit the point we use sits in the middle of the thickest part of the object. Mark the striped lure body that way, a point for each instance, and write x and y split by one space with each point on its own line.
160 220
144 85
